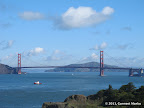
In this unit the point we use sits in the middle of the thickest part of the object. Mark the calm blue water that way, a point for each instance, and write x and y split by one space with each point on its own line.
18 91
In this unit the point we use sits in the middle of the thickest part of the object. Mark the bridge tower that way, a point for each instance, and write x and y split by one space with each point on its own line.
141 72
19 63
131 72
101 63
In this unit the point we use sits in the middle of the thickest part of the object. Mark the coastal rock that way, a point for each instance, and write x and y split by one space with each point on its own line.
92 97
5 69
76 98
74 101
54 105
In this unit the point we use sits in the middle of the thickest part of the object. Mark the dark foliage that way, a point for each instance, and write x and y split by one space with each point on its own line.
126 93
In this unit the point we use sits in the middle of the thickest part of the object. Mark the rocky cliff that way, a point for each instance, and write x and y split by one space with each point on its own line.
74 101
5 69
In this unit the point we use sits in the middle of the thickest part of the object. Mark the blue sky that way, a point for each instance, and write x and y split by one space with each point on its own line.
71 31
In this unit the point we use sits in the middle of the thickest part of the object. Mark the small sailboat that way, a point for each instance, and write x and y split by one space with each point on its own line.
37 82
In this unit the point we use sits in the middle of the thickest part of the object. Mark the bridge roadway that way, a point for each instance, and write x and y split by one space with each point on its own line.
77 67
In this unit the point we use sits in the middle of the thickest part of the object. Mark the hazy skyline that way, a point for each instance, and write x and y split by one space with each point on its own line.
71 31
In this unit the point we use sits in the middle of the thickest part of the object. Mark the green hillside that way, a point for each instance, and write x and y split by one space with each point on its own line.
89 64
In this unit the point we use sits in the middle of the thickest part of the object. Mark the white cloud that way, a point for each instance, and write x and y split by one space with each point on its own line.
28 15
35 51
107 10
125 61
9 44
103 45
5 25
93 57
127 28
117 61
100 47
82 17
96 47
7 57
57 55
57 52
123 46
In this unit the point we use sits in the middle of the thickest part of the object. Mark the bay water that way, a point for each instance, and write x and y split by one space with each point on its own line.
19 91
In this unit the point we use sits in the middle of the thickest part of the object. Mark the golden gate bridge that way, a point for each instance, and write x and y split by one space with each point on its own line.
101 67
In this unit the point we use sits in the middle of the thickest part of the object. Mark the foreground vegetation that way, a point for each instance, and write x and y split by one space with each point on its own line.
125 97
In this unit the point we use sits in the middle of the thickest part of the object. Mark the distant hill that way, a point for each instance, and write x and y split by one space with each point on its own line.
5 69
89 64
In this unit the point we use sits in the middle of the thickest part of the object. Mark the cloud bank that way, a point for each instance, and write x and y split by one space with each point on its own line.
56 56
9 44
5 25
93 57
127 28
73 17
125 46
82 17
35 51
100 47
29 15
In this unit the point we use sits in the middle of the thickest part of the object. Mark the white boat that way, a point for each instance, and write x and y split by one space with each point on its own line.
37 82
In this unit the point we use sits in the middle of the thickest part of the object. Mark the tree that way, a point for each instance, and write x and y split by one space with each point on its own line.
127 88
110 88
131 87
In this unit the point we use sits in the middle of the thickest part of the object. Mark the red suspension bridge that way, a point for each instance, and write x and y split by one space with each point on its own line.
101 67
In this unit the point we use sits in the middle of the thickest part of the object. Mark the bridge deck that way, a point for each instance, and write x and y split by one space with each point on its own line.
76 67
